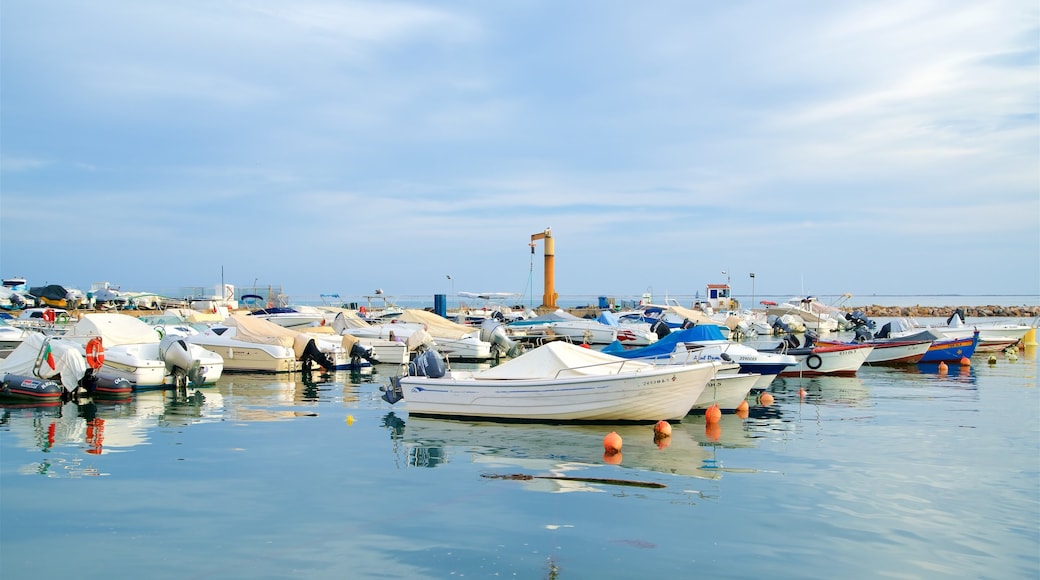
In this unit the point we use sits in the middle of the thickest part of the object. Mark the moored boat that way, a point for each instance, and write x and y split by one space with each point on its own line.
557 381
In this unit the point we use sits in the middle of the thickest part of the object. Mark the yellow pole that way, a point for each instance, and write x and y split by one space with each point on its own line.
549 297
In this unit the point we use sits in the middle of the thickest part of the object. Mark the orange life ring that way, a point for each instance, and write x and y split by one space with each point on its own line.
95 353
48 315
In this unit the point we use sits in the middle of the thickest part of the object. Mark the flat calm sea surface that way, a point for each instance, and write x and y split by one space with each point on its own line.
897 473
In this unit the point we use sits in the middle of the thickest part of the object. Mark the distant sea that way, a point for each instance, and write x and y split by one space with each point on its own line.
579 300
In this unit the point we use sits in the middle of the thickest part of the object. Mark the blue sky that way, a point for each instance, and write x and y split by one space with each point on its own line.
830 147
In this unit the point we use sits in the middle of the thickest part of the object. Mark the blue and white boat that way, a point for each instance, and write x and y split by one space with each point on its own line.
705 342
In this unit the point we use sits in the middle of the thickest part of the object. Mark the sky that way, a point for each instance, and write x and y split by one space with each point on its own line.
887 147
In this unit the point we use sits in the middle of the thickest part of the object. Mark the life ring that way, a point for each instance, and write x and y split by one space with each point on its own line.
814 361
49 316
363 310
95 353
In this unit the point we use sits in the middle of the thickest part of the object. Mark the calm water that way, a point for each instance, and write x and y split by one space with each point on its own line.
900 473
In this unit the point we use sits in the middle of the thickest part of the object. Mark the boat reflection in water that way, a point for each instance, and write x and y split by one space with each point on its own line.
567 451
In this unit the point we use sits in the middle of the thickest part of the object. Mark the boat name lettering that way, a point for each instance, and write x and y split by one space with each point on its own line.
660 381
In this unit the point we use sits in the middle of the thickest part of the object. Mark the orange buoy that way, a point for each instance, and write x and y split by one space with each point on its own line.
801 393
663 427
942 367
612 442
743 406
712 414
612 458
965 361
765 399
713 431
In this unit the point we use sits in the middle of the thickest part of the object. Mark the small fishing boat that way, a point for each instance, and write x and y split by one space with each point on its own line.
557 381
45 368
727 390
890 351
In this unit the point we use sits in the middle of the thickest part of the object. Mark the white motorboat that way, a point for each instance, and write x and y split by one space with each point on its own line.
727 390
562 325
557 381
10 337
295 317
994 335
251 344
385 350
418 330
133 352
828 359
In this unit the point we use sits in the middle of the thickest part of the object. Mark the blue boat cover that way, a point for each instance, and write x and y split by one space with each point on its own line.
664 346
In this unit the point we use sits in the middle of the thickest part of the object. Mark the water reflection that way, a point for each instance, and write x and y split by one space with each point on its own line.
99 426
568 449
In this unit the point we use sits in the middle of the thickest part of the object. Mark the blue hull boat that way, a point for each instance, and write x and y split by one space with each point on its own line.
951 350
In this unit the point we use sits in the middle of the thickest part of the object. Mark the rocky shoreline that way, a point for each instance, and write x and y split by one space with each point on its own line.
876 311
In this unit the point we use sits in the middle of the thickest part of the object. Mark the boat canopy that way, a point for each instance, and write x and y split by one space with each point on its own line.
559 359
436 325
663 347
115 329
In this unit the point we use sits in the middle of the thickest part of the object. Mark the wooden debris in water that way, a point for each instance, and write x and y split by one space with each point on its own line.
608 481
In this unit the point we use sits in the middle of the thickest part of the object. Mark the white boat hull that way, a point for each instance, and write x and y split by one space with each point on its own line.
661 392
726 391
829 360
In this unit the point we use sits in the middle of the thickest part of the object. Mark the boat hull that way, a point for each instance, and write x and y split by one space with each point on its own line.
726 391
665 392
26 388
840 360
951 350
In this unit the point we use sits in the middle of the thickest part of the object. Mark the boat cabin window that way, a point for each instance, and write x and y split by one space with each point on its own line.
219 331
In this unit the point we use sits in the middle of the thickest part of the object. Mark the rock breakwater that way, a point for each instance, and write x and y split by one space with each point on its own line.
876 311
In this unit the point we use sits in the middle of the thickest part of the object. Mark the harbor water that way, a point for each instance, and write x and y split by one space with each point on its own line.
899 472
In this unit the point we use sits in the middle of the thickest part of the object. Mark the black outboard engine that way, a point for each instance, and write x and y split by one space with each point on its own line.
791 341
89 382
359 352
779 326
959 312
660 328
687 323
857 318
862 334
885 332
311 353
810 338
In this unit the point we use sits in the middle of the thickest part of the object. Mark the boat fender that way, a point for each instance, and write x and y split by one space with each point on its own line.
48 315
814 361
95 353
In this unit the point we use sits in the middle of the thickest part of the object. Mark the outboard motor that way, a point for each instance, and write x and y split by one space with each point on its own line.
956 313
862 334
660 328
359 352
687 324
810 338
857 318
885 332
311 353
494 332
428 363
791 341
89 382
779 326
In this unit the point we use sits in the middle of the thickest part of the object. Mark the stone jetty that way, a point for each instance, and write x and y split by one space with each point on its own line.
875 311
